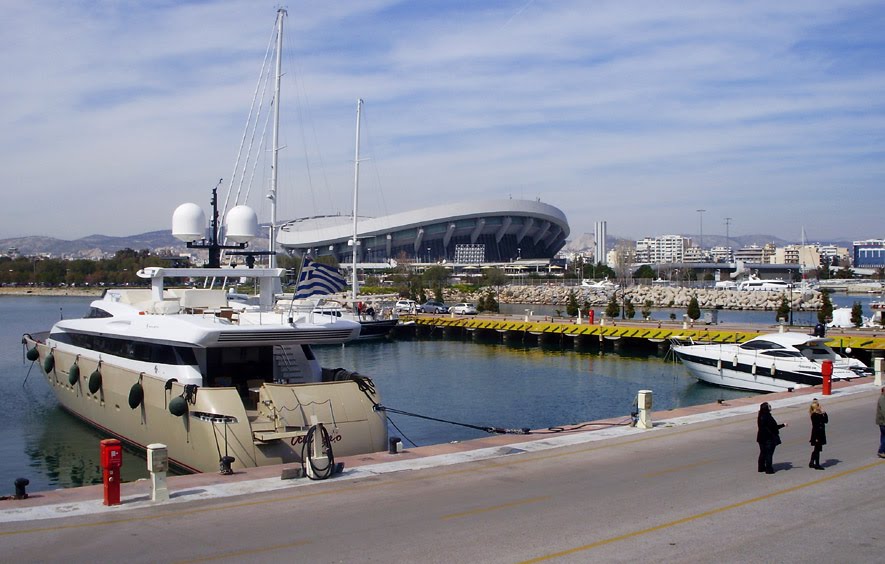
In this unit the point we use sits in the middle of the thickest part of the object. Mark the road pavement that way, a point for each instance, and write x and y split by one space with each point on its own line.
686 491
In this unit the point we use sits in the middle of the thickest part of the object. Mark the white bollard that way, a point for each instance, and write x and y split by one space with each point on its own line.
878 369
644 403
158 466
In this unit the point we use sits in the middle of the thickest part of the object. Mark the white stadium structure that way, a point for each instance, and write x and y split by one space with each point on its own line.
469 232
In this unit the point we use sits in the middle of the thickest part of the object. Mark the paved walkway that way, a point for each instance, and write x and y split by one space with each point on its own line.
687 490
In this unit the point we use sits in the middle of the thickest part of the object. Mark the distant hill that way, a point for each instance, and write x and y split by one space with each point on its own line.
96 246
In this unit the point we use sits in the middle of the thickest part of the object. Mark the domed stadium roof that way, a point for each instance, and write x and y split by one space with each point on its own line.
481 231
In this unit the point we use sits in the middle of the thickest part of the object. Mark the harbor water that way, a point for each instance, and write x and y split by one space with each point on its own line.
466 384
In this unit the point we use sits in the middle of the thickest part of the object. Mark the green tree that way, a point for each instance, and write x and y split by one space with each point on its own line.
491 302
645 272
783 310
825 314
612 309
646 309
571 306
857 314
844 273
494 277
694 309
629 308
598 271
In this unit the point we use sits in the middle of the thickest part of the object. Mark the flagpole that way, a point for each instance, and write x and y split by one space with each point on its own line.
295 289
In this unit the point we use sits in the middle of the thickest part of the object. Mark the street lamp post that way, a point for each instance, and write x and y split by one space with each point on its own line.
791 303
701 212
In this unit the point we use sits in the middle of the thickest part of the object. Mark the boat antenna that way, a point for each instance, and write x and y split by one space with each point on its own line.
356 192
212 244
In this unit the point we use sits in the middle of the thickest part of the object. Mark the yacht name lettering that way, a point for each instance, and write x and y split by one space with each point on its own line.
332 439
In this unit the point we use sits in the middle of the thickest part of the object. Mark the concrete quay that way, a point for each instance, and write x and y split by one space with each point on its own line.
685 491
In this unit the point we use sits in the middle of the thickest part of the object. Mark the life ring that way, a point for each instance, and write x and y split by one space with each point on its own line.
95 381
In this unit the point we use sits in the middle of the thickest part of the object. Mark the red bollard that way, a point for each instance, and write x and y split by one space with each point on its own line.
111 461
826 370
591 316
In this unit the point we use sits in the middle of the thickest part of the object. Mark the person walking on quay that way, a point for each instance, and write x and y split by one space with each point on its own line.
819 420
880 421
768 436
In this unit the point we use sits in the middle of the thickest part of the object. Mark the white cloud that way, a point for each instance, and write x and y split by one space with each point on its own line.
637 113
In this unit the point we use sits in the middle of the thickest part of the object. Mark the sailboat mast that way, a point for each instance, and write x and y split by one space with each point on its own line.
356 195
275 153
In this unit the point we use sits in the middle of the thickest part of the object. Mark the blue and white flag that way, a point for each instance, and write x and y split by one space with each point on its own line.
318 279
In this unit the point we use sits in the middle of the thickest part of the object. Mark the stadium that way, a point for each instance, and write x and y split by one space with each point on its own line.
464 233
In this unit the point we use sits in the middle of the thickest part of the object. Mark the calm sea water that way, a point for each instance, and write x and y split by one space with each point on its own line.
494 385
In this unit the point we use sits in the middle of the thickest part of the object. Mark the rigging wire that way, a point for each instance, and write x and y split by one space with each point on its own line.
262 78
374 159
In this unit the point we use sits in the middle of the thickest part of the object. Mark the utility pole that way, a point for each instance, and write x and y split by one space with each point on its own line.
727 237
701 212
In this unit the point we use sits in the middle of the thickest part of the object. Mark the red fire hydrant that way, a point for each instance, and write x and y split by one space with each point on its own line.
826 371
111 461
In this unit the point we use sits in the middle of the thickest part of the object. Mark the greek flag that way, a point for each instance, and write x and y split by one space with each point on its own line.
318 279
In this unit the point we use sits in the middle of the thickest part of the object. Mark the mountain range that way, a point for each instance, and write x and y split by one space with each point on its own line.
96 246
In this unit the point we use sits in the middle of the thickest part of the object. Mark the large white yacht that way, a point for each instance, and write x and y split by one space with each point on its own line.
775 362
209 378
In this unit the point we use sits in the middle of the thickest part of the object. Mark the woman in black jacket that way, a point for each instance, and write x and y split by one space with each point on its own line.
819 422
768 437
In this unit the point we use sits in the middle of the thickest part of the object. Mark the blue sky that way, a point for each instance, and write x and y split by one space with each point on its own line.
637 113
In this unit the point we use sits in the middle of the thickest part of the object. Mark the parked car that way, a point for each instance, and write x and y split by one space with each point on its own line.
463 309
405 306
434 306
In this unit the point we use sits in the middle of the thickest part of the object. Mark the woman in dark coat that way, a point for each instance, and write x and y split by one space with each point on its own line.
819 422
768 437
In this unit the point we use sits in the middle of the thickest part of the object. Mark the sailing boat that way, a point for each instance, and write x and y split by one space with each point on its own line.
375 322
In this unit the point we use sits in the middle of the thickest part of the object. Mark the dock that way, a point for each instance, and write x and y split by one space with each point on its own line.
636 333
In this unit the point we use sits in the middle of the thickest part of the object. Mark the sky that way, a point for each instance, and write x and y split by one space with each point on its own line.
771 114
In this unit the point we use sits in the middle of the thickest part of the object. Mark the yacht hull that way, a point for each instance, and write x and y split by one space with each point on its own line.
216 421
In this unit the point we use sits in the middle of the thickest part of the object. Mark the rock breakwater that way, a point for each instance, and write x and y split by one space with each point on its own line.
659 297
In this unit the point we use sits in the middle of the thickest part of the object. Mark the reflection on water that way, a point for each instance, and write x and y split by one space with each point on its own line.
511 386
67 452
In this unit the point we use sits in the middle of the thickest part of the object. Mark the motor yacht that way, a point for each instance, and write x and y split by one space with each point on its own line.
773 362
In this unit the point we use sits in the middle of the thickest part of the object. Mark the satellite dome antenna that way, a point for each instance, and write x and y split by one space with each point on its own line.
212 244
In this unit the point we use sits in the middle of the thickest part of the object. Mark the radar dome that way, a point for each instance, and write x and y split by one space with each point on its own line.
188 223
242 224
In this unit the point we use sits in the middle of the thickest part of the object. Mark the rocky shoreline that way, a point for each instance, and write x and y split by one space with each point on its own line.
557 295
658 296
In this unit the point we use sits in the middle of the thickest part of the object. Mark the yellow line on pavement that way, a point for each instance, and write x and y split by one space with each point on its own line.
246 552
496 507
698 516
